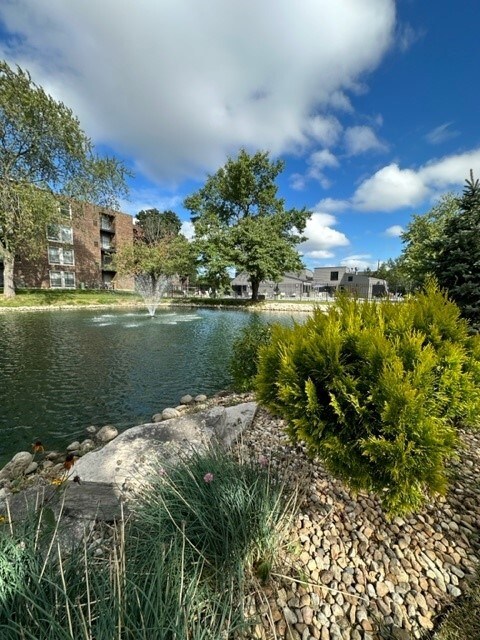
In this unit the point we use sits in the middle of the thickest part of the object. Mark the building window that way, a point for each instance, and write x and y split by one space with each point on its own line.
62 280
350 278
333 276
66 211
60 233
61 255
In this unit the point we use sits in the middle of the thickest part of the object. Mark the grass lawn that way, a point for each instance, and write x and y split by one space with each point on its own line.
74 297
80 298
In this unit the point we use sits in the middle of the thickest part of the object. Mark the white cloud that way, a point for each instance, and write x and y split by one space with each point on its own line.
180 85
321 237
451 171
361 139
297 181
321 254
323 129
441 133
317 161
338 100
395 231
360 261
187 229
332 205
323 158
390 188
406 36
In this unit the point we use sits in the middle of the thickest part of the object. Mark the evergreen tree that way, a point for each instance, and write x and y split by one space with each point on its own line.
458 259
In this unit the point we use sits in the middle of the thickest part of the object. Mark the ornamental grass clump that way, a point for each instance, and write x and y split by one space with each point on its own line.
225 513
376 390
198 535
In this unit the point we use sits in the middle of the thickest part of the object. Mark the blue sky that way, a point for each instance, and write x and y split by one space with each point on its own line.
372 104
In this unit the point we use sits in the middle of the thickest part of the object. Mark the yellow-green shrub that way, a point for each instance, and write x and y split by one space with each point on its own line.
375 390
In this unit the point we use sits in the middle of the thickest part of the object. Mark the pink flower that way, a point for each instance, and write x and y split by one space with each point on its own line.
208 477
263 461
161 472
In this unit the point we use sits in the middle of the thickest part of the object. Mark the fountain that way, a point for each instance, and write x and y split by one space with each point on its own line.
151 288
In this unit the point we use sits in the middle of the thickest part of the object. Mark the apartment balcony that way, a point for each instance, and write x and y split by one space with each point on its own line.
107 264
107 242
107 223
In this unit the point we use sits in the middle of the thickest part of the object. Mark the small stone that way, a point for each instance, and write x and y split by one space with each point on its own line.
425 622
91 429
74 446
157 417
169 413
186 399
381 589
106 433
454 591
201 397
290 617
86 445
32 467
326 577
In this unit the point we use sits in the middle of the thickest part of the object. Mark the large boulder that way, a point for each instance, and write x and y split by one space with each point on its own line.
17 466
136 451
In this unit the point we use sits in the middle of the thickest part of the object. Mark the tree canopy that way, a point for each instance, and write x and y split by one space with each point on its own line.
457 266
44 155
240 222
423 239
155 224
160 250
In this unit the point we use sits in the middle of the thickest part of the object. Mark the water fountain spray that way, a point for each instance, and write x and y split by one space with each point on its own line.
151 288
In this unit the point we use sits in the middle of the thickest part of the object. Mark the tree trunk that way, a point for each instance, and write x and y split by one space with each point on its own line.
8 266
255 285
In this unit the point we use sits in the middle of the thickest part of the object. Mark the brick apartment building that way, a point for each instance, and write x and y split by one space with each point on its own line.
78 251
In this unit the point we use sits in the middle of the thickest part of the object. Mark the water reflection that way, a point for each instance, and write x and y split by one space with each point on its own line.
63 370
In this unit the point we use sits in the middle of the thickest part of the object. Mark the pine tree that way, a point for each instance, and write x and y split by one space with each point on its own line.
458 263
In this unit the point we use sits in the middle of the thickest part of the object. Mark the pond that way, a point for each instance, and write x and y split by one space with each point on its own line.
61 371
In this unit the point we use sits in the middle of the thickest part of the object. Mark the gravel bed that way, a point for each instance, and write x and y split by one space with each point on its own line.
349 572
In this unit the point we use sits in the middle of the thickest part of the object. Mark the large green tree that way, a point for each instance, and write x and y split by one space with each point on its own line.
423 239
457 266
44 156
240 222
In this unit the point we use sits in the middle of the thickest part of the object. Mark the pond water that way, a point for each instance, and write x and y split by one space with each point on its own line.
61 371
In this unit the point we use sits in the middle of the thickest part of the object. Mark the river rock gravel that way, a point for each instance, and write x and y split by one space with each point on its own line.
349 572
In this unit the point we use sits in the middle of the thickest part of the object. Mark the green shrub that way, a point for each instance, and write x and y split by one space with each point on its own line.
375 390
244 360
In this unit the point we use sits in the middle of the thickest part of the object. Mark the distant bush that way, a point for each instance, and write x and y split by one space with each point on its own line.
244 359
375 390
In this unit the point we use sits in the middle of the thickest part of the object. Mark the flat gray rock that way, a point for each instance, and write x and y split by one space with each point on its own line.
88 500
135 451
